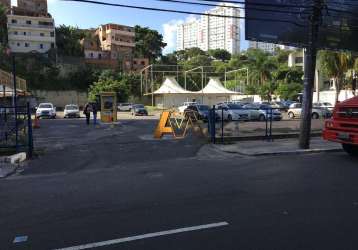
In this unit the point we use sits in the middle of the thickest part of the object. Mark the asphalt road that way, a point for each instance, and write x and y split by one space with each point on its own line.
93 185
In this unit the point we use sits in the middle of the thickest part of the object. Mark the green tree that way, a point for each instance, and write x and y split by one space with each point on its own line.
220 54
289 91
261 65
149 43
108 83
336 65
267 90
252 89
68 40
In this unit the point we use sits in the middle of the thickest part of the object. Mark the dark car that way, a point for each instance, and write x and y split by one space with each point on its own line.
139 109
197 112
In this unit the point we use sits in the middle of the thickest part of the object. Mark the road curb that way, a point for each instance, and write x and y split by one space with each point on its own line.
288 152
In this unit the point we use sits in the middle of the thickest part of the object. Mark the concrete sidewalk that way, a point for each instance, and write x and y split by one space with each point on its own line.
277 147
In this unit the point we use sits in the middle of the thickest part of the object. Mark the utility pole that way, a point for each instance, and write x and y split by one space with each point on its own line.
309 71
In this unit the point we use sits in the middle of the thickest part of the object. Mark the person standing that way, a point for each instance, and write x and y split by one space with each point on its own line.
94 110
87 113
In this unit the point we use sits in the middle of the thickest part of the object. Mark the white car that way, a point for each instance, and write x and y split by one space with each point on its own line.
185 106
295 111
232 112
46 110
71 110
125 107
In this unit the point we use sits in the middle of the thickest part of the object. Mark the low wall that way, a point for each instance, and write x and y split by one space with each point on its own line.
61 98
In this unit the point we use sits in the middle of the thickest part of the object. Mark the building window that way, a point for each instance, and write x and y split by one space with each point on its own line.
15 33
28 22
135 62
52 45
99 56
41 46
52 34
18 44
42 34
91 55
27 45
143 62
13 21
24 33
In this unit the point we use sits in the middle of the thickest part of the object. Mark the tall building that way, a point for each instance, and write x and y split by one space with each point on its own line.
212 32
30 33
268 47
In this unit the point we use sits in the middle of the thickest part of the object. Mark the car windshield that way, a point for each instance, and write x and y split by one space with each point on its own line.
139 106
203 107
71 107
234 106
45 106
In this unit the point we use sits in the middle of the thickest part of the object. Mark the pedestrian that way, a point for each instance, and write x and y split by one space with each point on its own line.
87 112
94 110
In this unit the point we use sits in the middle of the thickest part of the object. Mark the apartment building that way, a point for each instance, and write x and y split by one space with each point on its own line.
32 7
268 47
212 32
112 46
30 33
118 39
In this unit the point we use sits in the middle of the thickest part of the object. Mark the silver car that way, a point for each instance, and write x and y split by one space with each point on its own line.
261 112
71 111
295 111
125 107
232 112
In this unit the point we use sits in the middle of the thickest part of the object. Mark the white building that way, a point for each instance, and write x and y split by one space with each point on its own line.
211 32
268 47
31 33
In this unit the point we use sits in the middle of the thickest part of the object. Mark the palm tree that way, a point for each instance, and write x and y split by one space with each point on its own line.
261 65
336 65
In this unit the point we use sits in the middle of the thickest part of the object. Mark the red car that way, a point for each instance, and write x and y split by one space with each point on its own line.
343 126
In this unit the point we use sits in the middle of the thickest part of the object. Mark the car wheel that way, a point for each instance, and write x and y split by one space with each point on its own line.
229 118
291 115
262 117
315 116
350 149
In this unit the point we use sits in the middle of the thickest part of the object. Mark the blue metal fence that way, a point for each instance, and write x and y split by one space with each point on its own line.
16 128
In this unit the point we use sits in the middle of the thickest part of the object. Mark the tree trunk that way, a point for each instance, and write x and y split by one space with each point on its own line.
338 88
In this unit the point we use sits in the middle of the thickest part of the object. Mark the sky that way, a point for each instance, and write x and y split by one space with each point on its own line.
85 15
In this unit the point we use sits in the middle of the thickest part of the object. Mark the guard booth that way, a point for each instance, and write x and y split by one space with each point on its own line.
108 107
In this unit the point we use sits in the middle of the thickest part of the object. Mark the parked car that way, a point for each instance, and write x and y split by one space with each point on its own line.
197 111
279 105
139 109
326 105
71 111
262 112
125 107
232 112
295 111
185 106
46 110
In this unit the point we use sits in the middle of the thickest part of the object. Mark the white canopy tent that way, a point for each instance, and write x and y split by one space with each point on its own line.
171 94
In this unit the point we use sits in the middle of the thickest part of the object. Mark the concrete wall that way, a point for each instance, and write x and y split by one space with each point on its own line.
330 96
61 98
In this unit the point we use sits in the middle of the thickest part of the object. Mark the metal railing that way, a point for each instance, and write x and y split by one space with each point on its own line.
16 130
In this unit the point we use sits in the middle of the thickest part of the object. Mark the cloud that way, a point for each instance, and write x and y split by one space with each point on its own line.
170 33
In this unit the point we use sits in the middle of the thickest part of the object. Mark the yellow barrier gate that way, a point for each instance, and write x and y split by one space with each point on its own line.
171 121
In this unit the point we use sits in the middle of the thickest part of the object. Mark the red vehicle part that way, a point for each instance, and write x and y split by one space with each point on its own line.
343 126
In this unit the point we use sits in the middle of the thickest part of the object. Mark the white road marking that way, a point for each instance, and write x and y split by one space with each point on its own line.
145 236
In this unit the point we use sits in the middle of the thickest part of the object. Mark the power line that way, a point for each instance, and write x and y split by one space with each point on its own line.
258 4
181 11
233 7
